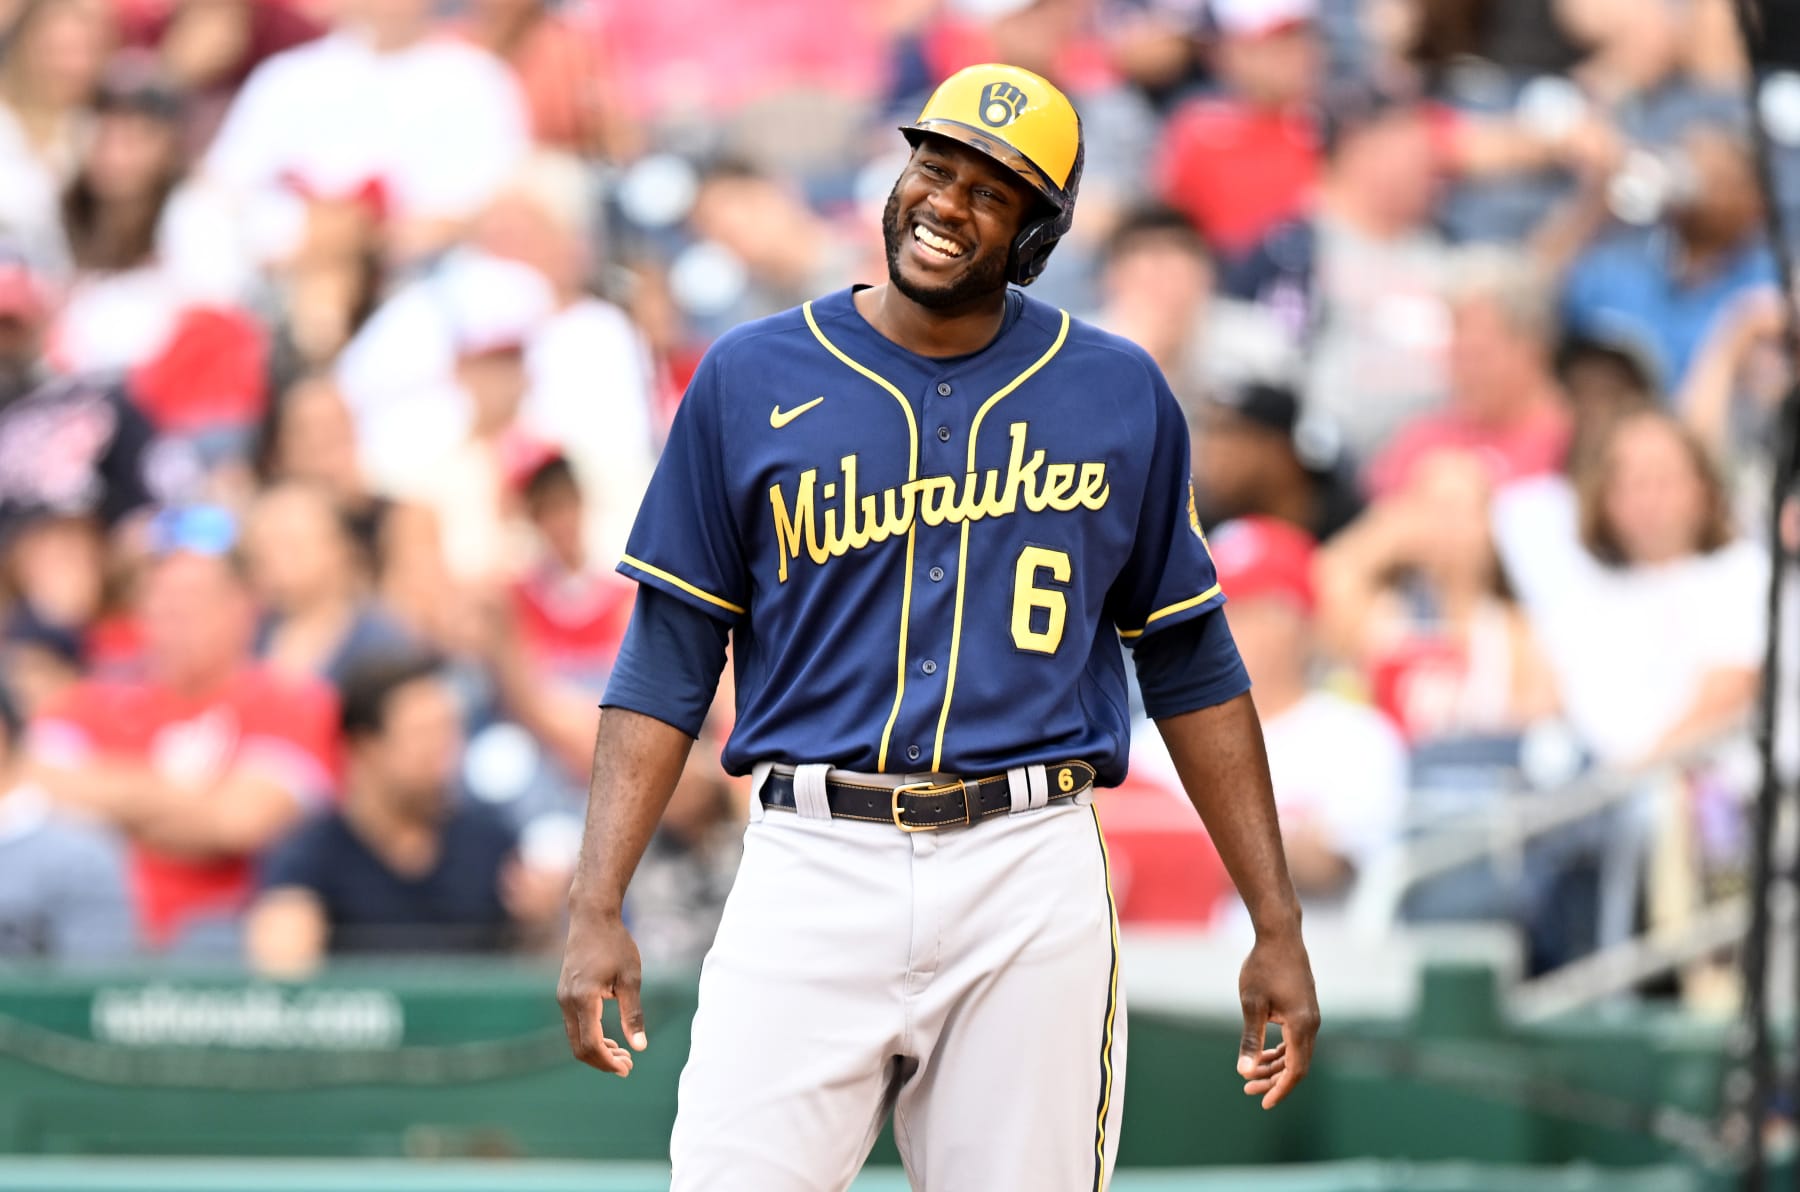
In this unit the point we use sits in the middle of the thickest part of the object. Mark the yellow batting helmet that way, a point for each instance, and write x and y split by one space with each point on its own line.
1024 123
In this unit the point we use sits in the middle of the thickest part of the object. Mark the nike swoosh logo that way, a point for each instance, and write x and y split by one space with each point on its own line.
779 418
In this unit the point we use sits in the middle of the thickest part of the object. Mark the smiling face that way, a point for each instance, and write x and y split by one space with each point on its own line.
950 224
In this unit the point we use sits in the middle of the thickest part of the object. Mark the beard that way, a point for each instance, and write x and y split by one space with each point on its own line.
984 275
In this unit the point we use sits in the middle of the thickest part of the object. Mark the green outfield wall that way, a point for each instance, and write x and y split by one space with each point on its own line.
468 1062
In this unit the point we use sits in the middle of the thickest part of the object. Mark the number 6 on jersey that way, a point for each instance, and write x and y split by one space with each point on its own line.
1028 597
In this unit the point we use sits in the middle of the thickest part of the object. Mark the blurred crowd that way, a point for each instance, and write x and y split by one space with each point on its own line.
338 338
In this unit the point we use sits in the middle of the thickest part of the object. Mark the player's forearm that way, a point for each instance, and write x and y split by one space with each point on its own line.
637 761
1218 752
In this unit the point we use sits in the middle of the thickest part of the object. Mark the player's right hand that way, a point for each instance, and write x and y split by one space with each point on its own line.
600 963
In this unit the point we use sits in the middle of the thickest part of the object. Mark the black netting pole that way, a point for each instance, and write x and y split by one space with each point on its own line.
1750 1088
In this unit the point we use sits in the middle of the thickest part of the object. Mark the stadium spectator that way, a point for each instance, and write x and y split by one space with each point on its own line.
323 296
70 445
1647 545
211 47
40 659
534 650
699 71
55 572
1603 381
1655 69
1414 595
464 482
550 639
568 85
404 864
311 580
1428 43
591 381
1642 544
1339 768
204 761
570 613
398 376
307 437
1666 291
379 119
1504 403
784 250
1270 60
519 300
1255 452
50 65
156 270
1613 373
1360 278
677 895
63 890
1154 44
25 307
1600 76
126 173
412 580
1156 288
1738 379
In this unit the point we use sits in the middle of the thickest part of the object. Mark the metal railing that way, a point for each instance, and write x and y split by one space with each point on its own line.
1497 833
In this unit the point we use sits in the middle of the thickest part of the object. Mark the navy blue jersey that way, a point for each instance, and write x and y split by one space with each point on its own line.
927 564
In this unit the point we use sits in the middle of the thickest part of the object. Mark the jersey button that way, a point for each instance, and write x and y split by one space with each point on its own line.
943 389
912 753
928 666
943 434
936 573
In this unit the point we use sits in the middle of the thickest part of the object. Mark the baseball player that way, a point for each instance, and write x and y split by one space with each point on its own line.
926 515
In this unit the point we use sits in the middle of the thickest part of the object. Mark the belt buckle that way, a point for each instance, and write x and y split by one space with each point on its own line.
917 788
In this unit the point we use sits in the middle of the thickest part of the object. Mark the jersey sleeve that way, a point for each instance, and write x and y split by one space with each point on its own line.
686 541
669 665
1169 577
1194 665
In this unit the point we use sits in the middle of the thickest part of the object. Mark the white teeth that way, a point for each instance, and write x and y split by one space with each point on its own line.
939 245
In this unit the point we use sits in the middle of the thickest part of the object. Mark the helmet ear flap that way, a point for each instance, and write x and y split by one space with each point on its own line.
1031 248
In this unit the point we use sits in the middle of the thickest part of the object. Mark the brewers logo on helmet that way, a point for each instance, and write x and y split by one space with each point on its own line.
1025 124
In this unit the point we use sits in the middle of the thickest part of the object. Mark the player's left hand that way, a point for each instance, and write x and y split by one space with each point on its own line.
1276 985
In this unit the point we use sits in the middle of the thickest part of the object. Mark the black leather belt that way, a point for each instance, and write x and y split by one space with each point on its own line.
924 806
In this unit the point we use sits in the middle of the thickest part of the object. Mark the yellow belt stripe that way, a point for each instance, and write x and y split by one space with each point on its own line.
962 553
912 473
1112 1010
1171 610
659 573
